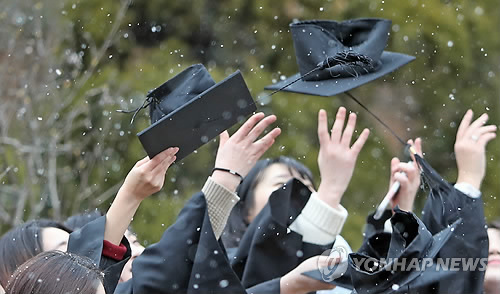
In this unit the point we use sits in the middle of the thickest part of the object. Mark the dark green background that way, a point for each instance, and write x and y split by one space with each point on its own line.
457 67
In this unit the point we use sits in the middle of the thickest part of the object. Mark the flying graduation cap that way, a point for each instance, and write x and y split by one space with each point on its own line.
335 57
190 109
375 269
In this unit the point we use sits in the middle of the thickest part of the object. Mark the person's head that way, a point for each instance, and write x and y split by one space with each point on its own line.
77 221
492 275
264 178
136 249
26 241
56 272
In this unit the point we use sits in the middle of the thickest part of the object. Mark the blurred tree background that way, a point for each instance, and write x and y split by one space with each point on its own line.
66 66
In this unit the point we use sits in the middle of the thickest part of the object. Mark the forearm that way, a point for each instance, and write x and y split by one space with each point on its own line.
119 216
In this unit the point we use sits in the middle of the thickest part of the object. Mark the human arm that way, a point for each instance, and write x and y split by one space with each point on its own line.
408 176
337 157
237 153
146 178
470 149
323 217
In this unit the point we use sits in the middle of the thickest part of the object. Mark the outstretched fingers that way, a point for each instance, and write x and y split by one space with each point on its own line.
165 164
338 125
223 137
360 142
479 122
349 130
464 124
485 138
323 135
158 159
260 127
248 126
266 142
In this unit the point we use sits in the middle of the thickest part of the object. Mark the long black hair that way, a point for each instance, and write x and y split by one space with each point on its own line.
22 243
238 219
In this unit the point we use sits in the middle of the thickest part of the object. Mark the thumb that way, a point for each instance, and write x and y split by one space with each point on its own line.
223 137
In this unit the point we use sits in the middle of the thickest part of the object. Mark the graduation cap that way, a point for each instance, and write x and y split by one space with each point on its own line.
409 240
191 109
335 57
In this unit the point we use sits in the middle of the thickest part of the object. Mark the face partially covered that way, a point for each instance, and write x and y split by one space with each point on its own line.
54 239
271 179
492 276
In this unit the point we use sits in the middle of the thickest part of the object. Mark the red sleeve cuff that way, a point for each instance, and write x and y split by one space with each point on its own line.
113 251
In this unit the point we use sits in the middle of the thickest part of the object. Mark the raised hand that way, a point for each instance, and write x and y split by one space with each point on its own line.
337 157
146 178
408 175
243 149
470 148
148 175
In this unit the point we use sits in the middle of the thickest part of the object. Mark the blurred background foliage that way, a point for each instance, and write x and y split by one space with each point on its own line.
66 66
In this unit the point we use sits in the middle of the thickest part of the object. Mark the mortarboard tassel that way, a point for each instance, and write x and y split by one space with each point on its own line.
432 179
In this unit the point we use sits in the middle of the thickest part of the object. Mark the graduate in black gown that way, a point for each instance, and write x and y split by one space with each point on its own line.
453 214
447 203
189 258
282 221
100 240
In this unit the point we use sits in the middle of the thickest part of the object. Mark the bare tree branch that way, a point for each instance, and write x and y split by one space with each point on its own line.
107 194
5 172
100 54
52 177
20 147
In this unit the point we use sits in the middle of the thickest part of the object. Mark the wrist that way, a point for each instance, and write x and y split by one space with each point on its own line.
227 180
330 195
471 180
128 196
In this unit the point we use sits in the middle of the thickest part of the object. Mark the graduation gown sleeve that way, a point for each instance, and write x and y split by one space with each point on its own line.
187 259
88 241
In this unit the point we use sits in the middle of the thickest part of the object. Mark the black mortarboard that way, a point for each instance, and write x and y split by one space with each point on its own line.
191 109
335 57
409 240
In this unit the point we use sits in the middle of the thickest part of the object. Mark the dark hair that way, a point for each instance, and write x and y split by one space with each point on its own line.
77 221
55 272
237 222
22 243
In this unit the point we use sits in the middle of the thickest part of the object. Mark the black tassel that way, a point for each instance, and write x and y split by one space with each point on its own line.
432 178
136 111
346 58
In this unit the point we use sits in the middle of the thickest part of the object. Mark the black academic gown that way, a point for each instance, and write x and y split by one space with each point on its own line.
409 242
88 241
268 249
187 259
445 205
